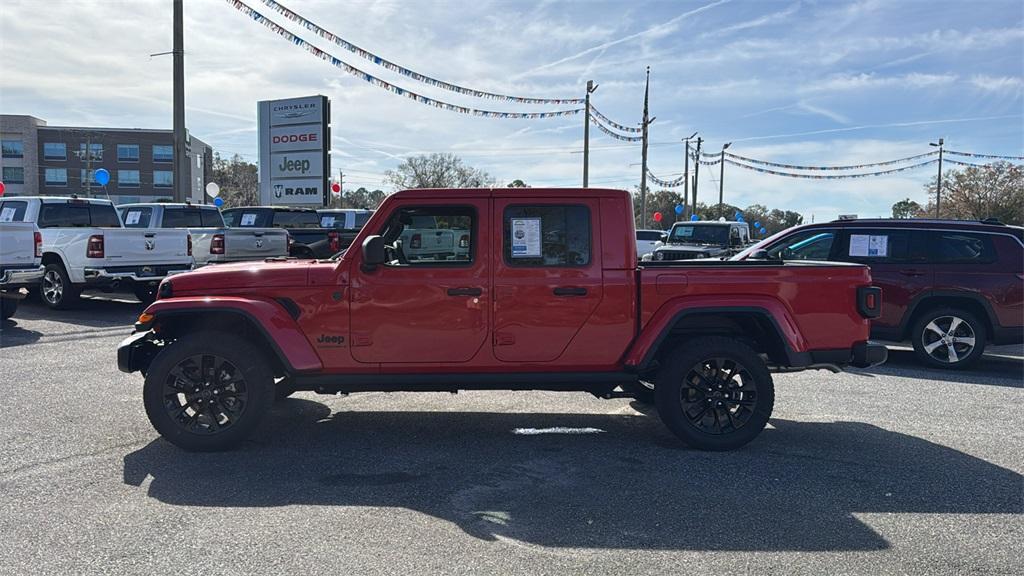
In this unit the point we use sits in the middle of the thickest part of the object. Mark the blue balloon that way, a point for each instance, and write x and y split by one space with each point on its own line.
757 224
739 217
679 208
694 218
764 231
101 176
218 202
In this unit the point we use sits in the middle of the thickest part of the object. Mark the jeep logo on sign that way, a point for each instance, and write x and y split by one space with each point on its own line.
300 166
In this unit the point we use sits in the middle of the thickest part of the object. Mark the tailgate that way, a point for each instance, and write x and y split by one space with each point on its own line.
128 246
254 243
17 244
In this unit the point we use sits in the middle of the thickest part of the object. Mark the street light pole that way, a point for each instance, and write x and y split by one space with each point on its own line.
938 181
721 178
586 135
686 174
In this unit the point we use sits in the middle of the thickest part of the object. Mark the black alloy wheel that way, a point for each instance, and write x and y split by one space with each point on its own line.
205 394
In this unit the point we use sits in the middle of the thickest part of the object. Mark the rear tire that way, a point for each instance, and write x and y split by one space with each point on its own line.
715 393
208 391
8 306
949 338
56 289
145 293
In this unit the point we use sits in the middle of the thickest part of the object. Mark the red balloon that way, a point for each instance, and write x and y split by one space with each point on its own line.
657 216
2 188
336 188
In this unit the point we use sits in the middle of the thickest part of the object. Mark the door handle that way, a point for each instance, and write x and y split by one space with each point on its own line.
569 291
911 272
465 291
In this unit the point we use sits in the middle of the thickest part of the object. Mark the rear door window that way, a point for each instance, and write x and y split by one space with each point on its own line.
211 218
546 235
880 246
63 215
103 216
137 217
12 210
962 248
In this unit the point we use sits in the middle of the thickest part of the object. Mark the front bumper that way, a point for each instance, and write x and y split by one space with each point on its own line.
135 352
21 278
140 274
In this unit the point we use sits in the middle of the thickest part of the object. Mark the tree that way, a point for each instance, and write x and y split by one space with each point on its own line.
517 183
238 180
979 192
362 198
905 208
437 171
663 201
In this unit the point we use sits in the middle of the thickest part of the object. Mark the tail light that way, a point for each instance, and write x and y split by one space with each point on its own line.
464 241
334 241
38 237
94 249
189 244
291 242
869 301
217 244
416 241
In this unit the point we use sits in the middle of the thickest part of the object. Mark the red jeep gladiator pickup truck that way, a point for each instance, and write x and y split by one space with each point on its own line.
546 294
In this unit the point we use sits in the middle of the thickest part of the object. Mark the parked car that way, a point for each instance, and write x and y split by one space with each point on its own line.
346 219
84 246
21 252
708 239
425 236
648 240
212 241
950 287
549 297
308 238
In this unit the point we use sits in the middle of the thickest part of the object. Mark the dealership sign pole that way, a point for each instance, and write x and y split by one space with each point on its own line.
294 144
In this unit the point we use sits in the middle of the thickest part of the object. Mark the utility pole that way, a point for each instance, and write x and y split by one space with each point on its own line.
686 174
721 180
182 178
341 189
938 181
586 135
643 162
696 173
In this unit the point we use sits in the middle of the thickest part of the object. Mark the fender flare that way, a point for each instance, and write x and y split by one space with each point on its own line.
280 331
644 350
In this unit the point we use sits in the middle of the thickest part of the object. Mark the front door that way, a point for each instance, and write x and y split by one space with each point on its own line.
429 302
547 275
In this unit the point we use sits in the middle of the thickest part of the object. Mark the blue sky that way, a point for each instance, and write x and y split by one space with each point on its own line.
798 82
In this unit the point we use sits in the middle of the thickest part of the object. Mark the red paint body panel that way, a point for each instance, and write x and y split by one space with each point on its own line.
403 319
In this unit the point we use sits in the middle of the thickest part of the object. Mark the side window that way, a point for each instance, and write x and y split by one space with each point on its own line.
963 248
806 245
103 216
546 235
211 218
879 246
12 211
61 215
419 236
137 217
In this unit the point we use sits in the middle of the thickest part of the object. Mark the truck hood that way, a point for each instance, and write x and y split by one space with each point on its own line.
260 274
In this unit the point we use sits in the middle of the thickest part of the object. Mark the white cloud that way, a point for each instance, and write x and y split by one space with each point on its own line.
1014 84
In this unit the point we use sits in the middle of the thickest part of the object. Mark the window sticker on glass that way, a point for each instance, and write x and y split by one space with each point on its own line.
327 222
871 246
7 215
132 217
526 237
248 219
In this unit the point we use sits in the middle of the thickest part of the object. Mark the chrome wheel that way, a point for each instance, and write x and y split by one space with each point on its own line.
53 286
205 394
718 396
948 339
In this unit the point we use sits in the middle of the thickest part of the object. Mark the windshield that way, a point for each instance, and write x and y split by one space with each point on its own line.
695 234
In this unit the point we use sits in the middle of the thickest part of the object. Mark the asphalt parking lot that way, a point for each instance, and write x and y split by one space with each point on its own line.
894 470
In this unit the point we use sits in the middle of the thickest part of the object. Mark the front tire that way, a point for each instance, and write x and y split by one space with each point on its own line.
208 391
715 393
56 289
949 338
145 293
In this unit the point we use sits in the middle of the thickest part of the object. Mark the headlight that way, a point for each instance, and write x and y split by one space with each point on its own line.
659 255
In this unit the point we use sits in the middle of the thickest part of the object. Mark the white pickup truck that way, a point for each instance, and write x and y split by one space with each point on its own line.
20 256
212 241
84 246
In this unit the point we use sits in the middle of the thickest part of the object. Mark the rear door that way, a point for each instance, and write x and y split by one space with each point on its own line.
547 275
427 309
898 258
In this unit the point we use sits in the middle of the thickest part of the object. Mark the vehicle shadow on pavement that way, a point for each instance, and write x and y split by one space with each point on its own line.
91 311
990 370
13 335
629 486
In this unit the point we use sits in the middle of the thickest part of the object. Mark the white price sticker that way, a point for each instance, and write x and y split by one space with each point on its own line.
132 217
7 215
869 245
248 219
327 222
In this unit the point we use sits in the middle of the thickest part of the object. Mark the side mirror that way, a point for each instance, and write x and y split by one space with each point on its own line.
664 237
373 253
761 254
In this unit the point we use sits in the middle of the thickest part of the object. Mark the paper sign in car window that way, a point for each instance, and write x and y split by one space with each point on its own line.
526 238
327 222
7 215
248 219
869 245
684 232
132 217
